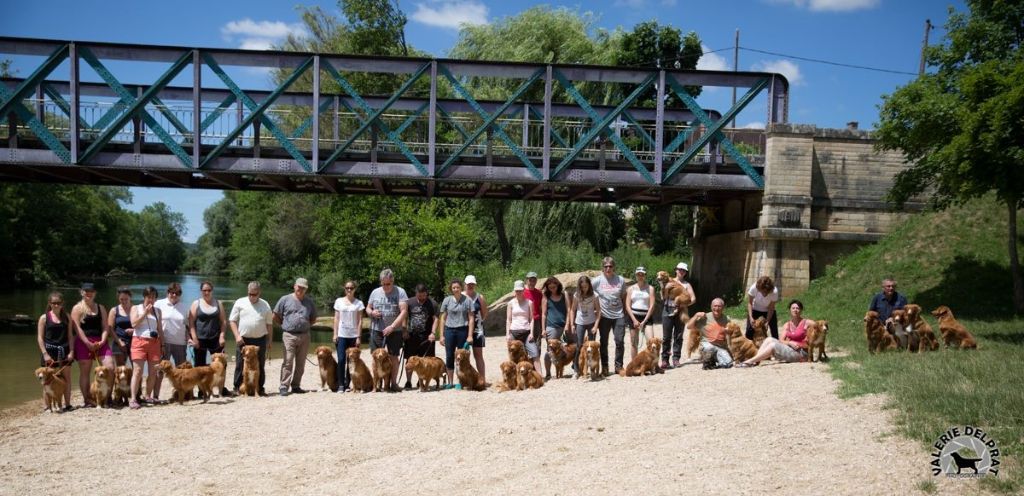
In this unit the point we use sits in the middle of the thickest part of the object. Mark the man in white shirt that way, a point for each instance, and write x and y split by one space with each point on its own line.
252 323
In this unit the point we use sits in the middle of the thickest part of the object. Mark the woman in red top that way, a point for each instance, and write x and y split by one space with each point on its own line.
793 345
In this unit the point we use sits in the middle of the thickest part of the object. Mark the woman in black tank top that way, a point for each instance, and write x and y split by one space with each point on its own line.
54 338
91 334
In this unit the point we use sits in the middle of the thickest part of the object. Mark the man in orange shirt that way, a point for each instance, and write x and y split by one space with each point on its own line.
713 333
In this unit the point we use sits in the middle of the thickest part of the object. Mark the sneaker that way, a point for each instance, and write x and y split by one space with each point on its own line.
283 391
226 393
665 366
408 386
298 390
675 363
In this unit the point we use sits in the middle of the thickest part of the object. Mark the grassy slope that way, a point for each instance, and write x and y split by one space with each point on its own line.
958 258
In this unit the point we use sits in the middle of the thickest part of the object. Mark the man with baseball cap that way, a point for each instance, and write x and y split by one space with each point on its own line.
295 312
674 319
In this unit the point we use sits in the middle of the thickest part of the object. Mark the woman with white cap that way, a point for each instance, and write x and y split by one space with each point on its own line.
480 306
673 319
640 310
519 321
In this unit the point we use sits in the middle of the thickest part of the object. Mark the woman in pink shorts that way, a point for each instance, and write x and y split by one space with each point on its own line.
91 336
146 349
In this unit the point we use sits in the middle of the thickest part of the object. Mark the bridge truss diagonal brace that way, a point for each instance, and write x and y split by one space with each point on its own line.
39 128
490 120
714 130
601 124
257 112
373 117
12 101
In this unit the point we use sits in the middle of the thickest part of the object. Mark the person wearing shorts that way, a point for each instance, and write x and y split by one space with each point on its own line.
479 314
388 308
54 337
419 335
639 311
519 322
793 345
585 310
553 312
146 349
458 319
92 334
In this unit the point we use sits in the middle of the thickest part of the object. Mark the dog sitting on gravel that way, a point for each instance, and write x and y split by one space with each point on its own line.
529 378
250 371
740 347
693 334
427 369
102 386
645 362
328 368
760 326
122 385
817 331
219 366
517 351
469 378
590 360
561 355
54 387
382 371
362 381
878 338
509 377
186 379
953 332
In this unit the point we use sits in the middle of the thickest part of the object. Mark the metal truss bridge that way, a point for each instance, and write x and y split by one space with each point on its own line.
541 137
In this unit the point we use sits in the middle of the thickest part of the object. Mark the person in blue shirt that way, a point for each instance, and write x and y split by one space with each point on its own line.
887 301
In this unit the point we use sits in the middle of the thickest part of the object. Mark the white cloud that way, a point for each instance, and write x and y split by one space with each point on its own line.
450 14
711 61
784 67
259 35
831 5
753 125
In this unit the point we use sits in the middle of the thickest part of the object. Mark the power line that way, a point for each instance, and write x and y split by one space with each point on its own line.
829 62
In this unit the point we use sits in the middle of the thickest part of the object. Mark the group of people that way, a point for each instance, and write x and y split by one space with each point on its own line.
601 308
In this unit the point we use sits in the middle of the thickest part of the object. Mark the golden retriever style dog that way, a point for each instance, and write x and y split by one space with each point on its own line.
817 332
469 378
561 355
655 346
692 342
122 385
953 332
382 371
760 326
250 371
925 335
517 351
427 369
219 366
54 387
328 368
643 363
672 290
529 378
590 360
878 338
740 347
186 379
102 386
362 381
510 377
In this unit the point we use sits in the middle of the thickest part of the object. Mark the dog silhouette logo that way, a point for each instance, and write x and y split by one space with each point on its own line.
965 452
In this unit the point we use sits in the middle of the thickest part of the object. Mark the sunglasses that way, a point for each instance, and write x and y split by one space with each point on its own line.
609 266
349 288
206 290
56 302
174 293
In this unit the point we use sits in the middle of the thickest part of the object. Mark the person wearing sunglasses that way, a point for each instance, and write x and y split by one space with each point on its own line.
174 316
208 323
54 337
252 324
91 337
348 326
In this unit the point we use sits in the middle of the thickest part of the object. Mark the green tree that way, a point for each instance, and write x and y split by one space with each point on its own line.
650 44
211 254
962 126
159 232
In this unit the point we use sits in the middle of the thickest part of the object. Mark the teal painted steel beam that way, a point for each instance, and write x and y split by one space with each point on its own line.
640 129
602 124
714 129
37 127
373 117
451 120
309 120
138 106
412 118
25 88
257 112
165 111
63 104
217 112
490 119
554 134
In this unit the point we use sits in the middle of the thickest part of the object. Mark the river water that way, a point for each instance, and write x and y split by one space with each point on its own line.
19 353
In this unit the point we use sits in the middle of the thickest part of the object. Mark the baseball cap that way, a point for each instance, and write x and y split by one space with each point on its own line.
682 265
519 286
302 282
471 279
88 286
640 270
531 274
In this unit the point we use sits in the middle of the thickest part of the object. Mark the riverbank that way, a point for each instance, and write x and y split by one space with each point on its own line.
774 428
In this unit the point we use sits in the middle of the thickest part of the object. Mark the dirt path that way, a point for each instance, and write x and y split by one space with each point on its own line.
766 430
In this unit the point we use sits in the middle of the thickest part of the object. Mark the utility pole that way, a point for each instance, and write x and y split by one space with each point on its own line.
735 67
927 28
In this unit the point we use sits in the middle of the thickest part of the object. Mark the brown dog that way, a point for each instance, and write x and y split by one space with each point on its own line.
693 335
900 327
381 370
102 386
469 378
187 379
219 366
740 347
878 338
953 332
590 360
517 351
362 381
654 344
54 387
643 363
510 379
561 355
328 368
916 323
529 378
760 331
122 385
250 371
427 369
672 290
817 331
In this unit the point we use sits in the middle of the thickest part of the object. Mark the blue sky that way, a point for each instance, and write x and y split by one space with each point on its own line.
884 34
